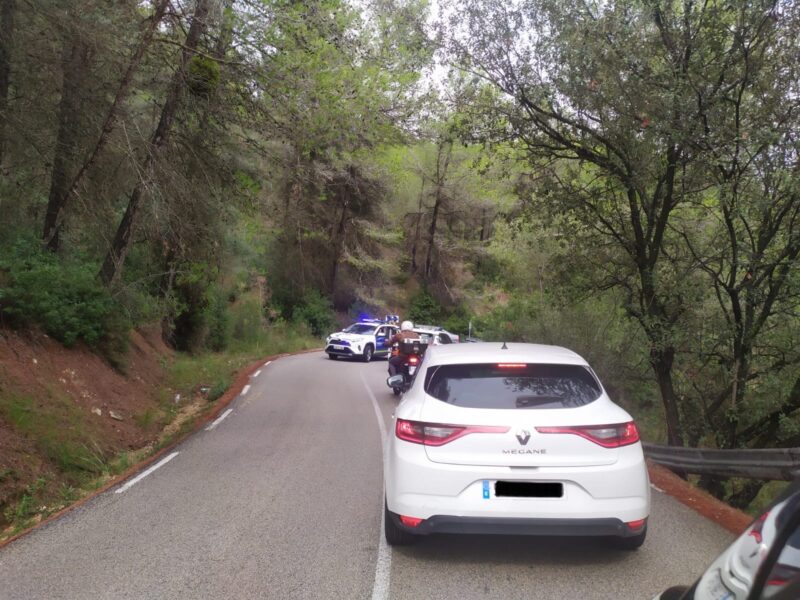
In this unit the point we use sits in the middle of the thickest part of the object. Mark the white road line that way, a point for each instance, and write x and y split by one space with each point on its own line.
245 389
257 373
266 364
144 474
383 564
219 419
656 488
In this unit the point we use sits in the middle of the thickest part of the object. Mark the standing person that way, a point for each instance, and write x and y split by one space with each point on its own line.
404 335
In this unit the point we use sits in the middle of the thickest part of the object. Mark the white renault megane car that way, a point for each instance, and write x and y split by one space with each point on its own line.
513 439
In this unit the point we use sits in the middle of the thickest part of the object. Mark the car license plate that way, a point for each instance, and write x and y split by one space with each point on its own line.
337 347
528 489
412 370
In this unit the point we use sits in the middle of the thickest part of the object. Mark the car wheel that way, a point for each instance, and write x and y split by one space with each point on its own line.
630 543
367 356
332 356
395 536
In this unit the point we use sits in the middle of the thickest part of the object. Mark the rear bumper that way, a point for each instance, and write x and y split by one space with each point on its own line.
530 526
606 496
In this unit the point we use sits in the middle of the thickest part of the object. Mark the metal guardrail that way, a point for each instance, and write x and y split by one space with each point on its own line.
773 464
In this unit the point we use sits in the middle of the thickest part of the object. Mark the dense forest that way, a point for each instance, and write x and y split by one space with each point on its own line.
620 177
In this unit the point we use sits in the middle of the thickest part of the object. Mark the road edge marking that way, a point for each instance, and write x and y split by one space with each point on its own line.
383 563
219 419
128 485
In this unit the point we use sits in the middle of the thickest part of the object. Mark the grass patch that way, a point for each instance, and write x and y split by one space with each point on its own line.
59 429
23 511
146 419
217 370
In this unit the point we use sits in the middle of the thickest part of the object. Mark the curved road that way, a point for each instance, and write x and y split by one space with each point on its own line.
283 499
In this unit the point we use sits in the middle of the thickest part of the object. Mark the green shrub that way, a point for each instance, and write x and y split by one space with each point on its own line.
457 321
63 297
219 321
247 319
425 309
316 311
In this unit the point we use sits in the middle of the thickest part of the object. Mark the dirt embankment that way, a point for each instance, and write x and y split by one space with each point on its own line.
65 412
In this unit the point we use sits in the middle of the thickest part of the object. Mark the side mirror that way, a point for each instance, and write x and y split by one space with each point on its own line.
395 381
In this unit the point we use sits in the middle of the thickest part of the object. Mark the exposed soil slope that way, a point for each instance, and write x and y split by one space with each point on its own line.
64 412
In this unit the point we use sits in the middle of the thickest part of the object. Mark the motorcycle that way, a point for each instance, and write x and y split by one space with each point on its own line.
413 352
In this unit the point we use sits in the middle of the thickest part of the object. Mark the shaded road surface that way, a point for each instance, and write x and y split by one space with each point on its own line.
283 499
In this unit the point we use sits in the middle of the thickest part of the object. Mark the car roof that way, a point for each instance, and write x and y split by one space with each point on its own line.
488 352
430 330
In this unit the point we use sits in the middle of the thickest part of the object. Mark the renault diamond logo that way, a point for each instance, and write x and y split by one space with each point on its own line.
523 436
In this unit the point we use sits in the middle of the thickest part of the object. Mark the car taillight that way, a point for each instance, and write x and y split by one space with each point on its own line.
636 525
410 521
412 360
438 434
608 436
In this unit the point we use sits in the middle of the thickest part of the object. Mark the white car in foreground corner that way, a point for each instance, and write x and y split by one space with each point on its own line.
513 439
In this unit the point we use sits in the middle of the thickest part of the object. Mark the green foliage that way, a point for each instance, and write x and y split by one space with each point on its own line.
247 320
317 312
219 321
425 309
62 296
28 505
457 320
203 75
218 389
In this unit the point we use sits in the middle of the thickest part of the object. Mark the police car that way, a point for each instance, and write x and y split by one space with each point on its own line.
365 339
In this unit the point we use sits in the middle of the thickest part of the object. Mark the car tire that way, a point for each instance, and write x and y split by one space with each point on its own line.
397 391
673 593
332 356
395 535
368 352
630 543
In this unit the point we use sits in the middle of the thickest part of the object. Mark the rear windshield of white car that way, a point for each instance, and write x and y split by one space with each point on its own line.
512 385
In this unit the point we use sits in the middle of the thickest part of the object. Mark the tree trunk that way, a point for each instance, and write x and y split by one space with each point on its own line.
661 361
115 258
55 213
432 232
73 70
441 176
7 29
338 244
417 227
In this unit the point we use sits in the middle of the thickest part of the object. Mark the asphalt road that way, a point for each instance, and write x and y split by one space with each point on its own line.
283 499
